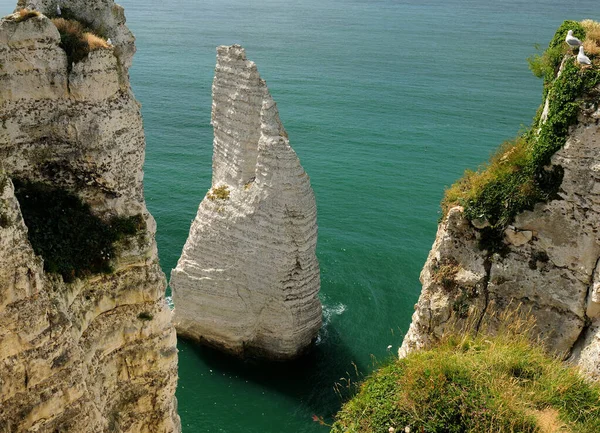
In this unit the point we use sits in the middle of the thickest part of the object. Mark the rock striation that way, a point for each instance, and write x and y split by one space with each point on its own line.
549 265
248 278
96 351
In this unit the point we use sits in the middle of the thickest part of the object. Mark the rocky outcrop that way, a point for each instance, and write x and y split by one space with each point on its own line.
248 278
104 16
548 265
90 351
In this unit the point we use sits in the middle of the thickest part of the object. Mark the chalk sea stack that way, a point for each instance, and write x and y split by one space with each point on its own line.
248 279
86 338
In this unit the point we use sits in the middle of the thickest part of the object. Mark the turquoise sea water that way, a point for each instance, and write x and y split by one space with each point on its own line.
386 102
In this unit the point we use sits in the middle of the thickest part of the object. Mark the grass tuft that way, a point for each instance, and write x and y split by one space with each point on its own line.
95 42
26 14
77 39
591 44
475 384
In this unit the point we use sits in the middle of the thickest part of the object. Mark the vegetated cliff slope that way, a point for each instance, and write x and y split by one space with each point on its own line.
499 383
523 232
86 339
248 278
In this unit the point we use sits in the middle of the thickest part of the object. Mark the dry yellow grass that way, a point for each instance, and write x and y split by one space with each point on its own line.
68 26
25 14
77 40
591 44
549 421
95 42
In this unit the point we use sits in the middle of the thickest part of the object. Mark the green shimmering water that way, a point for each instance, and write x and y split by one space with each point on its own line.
386 102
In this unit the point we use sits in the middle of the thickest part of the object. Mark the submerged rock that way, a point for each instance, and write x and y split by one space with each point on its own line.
248 279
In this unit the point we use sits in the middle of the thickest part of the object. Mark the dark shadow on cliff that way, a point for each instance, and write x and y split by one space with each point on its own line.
321 380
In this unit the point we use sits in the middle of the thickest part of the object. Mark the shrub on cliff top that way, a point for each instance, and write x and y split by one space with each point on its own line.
62 229
76 39
475 384
517 177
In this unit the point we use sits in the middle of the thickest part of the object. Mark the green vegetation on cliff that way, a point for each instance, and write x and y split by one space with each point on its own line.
518 176
62 229
472 384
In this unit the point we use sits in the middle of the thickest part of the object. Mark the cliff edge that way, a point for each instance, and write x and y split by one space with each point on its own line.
248 279
523 232
86 339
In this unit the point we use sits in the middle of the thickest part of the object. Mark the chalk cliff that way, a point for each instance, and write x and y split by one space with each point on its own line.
546 260
248 278
86 338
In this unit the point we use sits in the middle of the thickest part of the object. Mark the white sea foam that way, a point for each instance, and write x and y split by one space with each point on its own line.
329 313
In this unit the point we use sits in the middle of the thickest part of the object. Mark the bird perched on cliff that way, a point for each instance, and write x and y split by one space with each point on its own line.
58 11
582 59
109 42
572 40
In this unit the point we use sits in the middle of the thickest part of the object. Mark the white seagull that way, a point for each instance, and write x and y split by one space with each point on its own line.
572 40
582 59
108 41
58 11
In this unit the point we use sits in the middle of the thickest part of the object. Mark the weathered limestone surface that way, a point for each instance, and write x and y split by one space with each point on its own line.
551 267
248 277
97 354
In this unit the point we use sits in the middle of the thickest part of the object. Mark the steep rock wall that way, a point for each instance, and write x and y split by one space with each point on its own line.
98 352
549 265
248 277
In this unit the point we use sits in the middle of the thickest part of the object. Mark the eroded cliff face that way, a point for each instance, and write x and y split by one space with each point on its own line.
93 351
549 263
248 277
